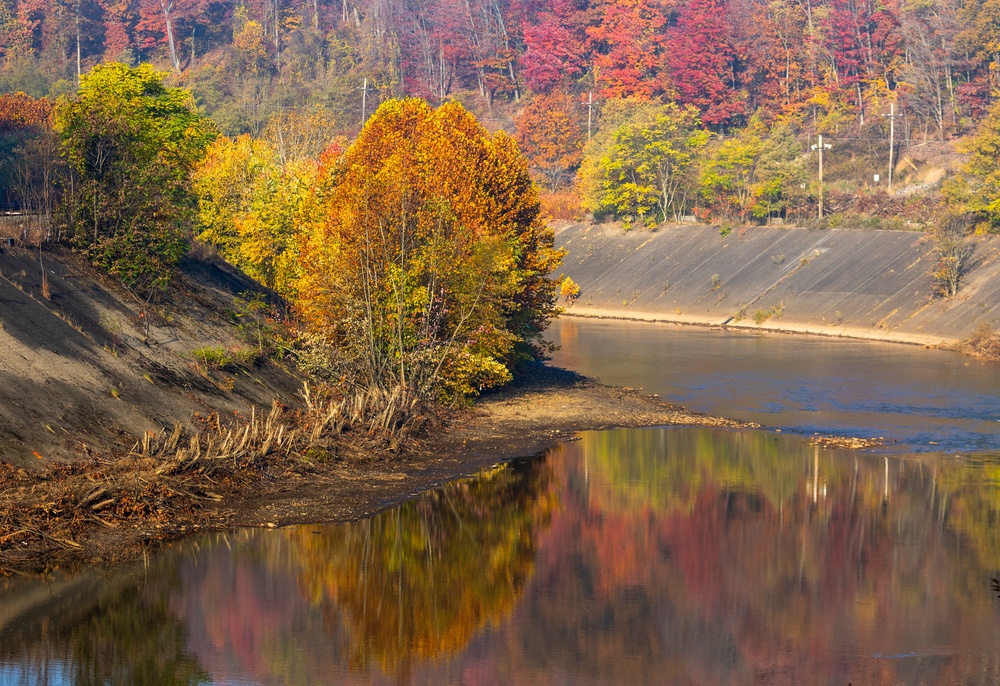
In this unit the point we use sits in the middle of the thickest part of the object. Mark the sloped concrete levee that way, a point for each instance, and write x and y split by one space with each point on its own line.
840 282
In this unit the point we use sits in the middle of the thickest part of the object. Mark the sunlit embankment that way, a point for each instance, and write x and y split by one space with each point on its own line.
840 282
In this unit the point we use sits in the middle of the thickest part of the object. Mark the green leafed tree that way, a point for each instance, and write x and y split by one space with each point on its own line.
753 174
640 165
977 189
132 143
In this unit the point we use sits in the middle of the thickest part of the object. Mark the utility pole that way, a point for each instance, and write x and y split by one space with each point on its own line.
78 42
820 148
590 113
364 102
892 137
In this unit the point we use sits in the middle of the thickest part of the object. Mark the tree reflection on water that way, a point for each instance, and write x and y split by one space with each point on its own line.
747 557
125 636
421 580
308 604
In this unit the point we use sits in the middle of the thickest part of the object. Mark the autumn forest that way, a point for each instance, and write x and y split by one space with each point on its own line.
836 63
767 76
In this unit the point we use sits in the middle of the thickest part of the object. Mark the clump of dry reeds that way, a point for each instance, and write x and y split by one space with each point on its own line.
373 417
164 478
374 410
984 343
243 445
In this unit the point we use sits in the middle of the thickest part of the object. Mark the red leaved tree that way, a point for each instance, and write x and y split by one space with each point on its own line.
629 44
704 67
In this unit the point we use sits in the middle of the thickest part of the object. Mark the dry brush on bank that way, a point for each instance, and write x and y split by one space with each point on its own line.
984 344
111 506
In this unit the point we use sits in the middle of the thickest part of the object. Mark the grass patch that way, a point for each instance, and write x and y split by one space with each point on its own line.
214 357
761 316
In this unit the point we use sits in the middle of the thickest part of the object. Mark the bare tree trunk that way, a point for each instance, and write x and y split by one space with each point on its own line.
506 42
168 7
951 95
78 43
277 39
861 103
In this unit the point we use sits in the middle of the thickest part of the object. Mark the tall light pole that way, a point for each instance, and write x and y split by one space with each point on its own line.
892 137
820 148
364 102
590 113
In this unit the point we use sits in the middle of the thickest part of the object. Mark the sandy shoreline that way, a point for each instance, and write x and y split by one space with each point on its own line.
770 326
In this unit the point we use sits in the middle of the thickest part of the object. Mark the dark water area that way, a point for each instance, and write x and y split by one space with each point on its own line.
658 556
922 400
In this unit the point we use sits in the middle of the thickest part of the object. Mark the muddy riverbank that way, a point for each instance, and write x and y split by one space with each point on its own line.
112 509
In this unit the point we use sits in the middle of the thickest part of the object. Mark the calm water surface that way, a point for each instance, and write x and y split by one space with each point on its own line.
656 556
922 399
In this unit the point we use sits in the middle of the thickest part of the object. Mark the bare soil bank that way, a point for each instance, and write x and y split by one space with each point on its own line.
87 368
113 509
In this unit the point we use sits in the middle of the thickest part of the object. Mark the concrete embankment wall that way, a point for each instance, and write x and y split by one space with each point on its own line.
864 284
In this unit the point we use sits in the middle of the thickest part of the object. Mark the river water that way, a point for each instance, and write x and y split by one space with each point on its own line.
921 399
654 556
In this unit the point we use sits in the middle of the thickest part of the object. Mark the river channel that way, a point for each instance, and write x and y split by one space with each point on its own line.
918 399
653 556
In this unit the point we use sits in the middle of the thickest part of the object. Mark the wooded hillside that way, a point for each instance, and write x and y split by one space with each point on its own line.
834 64
729 112
889 84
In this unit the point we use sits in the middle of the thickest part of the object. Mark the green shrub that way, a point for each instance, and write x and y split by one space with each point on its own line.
212 357
131 142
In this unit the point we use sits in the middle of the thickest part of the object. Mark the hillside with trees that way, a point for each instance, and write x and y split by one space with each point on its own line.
414 257
284 133
747 87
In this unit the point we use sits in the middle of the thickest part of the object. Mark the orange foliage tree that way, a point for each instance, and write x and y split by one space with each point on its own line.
419 582
20 111
424 261
549 134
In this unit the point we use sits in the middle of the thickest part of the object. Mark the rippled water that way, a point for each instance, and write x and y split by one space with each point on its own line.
655 556
922 399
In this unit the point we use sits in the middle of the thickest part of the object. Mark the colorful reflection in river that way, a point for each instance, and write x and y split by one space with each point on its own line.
653 556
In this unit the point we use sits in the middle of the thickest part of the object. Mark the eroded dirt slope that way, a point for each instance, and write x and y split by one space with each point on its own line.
79 372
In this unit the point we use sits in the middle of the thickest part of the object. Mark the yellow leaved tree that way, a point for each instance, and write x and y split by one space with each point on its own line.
251 193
